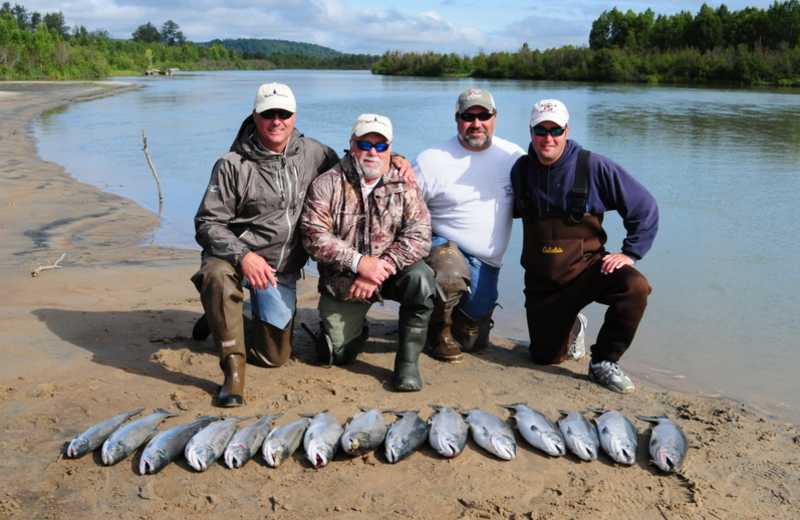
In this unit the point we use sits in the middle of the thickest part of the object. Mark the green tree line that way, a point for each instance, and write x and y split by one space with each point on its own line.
751 46
35 46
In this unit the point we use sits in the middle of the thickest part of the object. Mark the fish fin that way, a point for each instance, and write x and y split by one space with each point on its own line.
562 412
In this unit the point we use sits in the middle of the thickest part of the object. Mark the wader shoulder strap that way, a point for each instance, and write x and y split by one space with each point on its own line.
519 182
579 187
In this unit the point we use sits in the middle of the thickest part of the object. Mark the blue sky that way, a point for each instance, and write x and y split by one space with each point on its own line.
371 27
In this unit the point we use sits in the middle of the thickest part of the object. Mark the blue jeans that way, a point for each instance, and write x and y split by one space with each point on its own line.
482 295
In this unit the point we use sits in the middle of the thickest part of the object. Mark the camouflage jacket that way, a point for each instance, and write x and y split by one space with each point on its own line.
392 224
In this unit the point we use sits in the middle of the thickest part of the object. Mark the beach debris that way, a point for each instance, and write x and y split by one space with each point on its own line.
126 439
283 441
491 433
364 432
92 438
168 445
321 440
537 429
580 435
448 431
55 265
246 441
619 438
404 436
668 444
155 175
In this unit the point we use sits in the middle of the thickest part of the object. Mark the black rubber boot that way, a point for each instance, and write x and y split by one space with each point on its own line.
406 364
344 355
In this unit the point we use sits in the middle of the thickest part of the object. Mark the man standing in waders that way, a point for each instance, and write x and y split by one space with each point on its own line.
561 192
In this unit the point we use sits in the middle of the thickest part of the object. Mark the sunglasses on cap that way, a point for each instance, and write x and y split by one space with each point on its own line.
468 117
542 131
271 113
367 146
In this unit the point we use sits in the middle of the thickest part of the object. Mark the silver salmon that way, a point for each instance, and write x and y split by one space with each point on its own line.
207 445
492 434
364 432
283 441
404 436
92 438
321 440
668 444
619 438
168 445
447 432
580 435
126 439
537 429
246 441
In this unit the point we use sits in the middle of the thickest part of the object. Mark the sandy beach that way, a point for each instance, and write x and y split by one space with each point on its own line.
110 332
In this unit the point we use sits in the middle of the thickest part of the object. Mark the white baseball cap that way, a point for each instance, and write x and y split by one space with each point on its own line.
549 110
275 95
368 123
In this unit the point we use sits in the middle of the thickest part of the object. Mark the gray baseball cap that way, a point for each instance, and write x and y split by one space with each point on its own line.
474 97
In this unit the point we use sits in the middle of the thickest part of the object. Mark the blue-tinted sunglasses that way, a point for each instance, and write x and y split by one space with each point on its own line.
542 131
367 146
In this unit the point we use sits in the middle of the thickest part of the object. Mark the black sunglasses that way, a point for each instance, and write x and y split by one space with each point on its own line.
542 131
270 114
468 117
367 146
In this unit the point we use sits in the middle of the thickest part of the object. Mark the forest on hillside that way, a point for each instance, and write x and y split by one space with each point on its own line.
36 46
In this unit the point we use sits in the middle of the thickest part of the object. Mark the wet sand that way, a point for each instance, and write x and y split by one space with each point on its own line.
109 332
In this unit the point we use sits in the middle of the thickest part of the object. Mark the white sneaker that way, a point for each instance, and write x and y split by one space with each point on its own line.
608 374
578 348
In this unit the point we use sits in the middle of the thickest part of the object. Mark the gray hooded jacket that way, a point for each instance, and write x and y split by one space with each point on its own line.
254 200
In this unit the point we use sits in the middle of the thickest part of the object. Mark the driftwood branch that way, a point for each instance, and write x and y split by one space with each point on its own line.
153 168
41 268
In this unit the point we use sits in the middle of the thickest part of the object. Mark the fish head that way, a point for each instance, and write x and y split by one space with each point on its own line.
78 447
585 449
319 453
357 443
504 447
667 458
623 451
112 453
447 445
200 457
152 461
396 449
275 452
236 456
553 444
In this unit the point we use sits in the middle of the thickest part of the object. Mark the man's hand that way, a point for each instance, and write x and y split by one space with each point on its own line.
362 289
375 270
258 272
613 262
403 167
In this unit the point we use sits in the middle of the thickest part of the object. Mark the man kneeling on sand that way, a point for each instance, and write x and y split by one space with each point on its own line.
369 230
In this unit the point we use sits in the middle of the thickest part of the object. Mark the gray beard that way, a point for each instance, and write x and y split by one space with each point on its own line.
476 140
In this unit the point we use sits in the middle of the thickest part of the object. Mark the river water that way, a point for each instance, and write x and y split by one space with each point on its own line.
722 163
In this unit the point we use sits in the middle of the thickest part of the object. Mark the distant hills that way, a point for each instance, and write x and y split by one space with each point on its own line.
266 46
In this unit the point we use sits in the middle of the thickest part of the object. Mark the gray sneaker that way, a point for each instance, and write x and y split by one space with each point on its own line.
578 348
608 374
